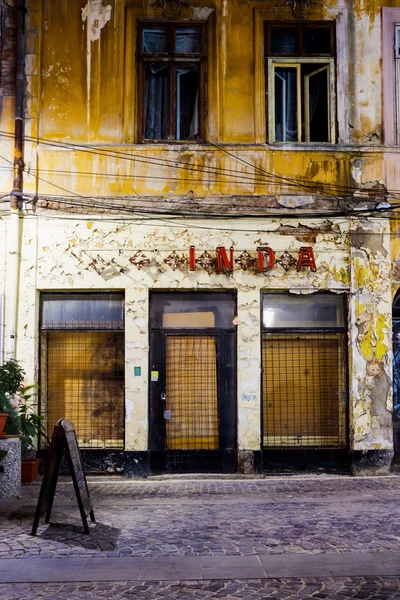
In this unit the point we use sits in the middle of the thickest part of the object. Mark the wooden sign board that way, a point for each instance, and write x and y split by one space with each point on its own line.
63 438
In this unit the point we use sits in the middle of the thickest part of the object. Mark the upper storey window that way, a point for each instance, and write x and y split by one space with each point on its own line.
397 61
172 60
301 81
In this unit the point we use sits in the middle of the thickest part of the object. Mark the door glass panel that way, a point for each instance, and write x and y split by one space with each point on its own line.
191 389
156 102
196 310
191 320
286 117
187 95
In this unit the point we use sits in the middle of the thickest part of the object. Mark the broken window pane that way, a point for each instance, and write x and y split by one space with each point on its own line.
316 96
187 40
286 129
187 91
156 100
155 39
283 41
317 40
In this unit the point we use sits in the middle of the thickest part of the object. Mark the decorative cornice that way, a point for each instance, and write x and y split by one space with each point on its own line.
171 8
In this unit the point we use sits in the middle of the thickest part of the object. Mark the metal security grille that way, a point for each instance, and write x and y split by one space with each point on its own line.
396 371
304 390
192 395
82 380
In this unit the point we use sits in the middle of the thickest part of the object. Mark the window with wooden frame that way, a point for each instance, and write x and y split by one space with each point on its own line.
172 63
397 69
300 68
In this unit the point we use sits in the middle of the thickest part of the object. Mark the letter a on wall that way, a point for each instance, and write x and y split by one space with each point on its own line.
306 258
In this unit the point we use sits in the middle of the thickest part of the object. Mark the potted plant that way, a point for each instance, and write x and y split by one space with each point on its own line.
11 378
31 428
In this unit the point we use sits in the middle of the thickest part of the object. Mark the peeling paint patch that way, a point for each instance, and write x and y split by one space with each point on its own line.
202 13
97 16
295 201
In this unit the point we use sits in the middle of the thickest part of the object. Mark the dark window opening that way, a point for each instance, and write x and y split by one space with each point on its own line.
172 81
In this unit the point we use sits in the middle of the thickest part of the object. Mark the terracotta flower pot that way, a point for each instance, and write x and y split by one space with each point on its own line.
29 470
3 419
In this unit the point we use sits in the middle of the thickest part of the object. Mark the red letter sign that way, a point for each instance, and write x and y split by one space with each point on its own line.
223 262
262 251
192 258
306 258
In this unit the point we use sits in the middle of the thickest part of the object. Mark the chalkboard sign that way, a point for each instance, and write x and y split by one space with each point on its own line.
63 438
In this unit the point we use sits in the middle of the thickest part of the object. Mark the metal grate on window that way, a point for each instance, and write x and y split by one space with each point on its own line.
304 390
83 367
84 383
304 371
192 395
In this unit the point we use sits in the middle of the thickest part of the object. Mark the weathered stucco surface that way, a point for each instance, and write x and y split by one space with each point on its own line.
371 335
84 157
59 254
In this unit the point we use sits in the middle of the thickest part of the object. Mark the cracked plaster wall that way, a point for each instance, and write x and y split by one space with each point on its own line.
57 255
371 336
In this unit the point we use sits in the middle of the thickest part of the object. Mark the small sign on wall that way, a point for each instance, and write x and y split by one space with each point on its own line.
248 397
137 371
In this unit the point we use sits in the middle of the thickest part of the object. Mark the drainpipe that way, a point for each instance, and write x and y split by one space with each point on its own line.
13 230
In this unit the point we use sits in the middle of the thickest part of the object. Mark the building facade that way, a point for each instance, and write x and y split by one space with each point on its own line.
198 235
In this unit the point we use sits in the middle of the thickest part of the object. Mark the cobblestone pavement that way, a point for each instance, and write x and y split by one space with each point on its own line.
279 516
341 588
201 518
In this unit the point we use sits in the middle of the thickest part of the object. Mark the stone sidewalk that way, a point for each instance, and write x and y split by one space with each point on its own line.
296 537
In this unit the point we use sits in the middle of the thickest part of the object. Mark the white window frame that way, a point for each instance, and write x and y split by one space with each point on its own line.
272 63
397 78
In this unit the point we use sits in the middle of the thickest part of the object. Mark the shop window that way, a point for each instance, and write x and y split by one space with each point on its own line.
303 381
171 81
82 366
301 82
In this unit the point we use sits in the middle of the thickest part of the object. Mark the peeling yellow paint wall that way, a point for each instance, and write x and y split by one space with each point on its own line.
82 88
371 336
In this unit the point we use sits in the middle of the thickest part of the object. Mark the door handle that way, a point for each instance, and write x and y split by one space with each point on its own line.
163 397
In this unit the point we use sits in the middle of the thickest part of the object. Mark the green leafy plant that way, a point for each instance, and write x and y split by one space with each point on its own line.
16 400
11 377
31 423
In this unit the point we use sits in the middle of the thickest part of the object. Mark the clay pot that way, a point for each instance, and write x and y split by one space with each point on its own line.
29 470
3 419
